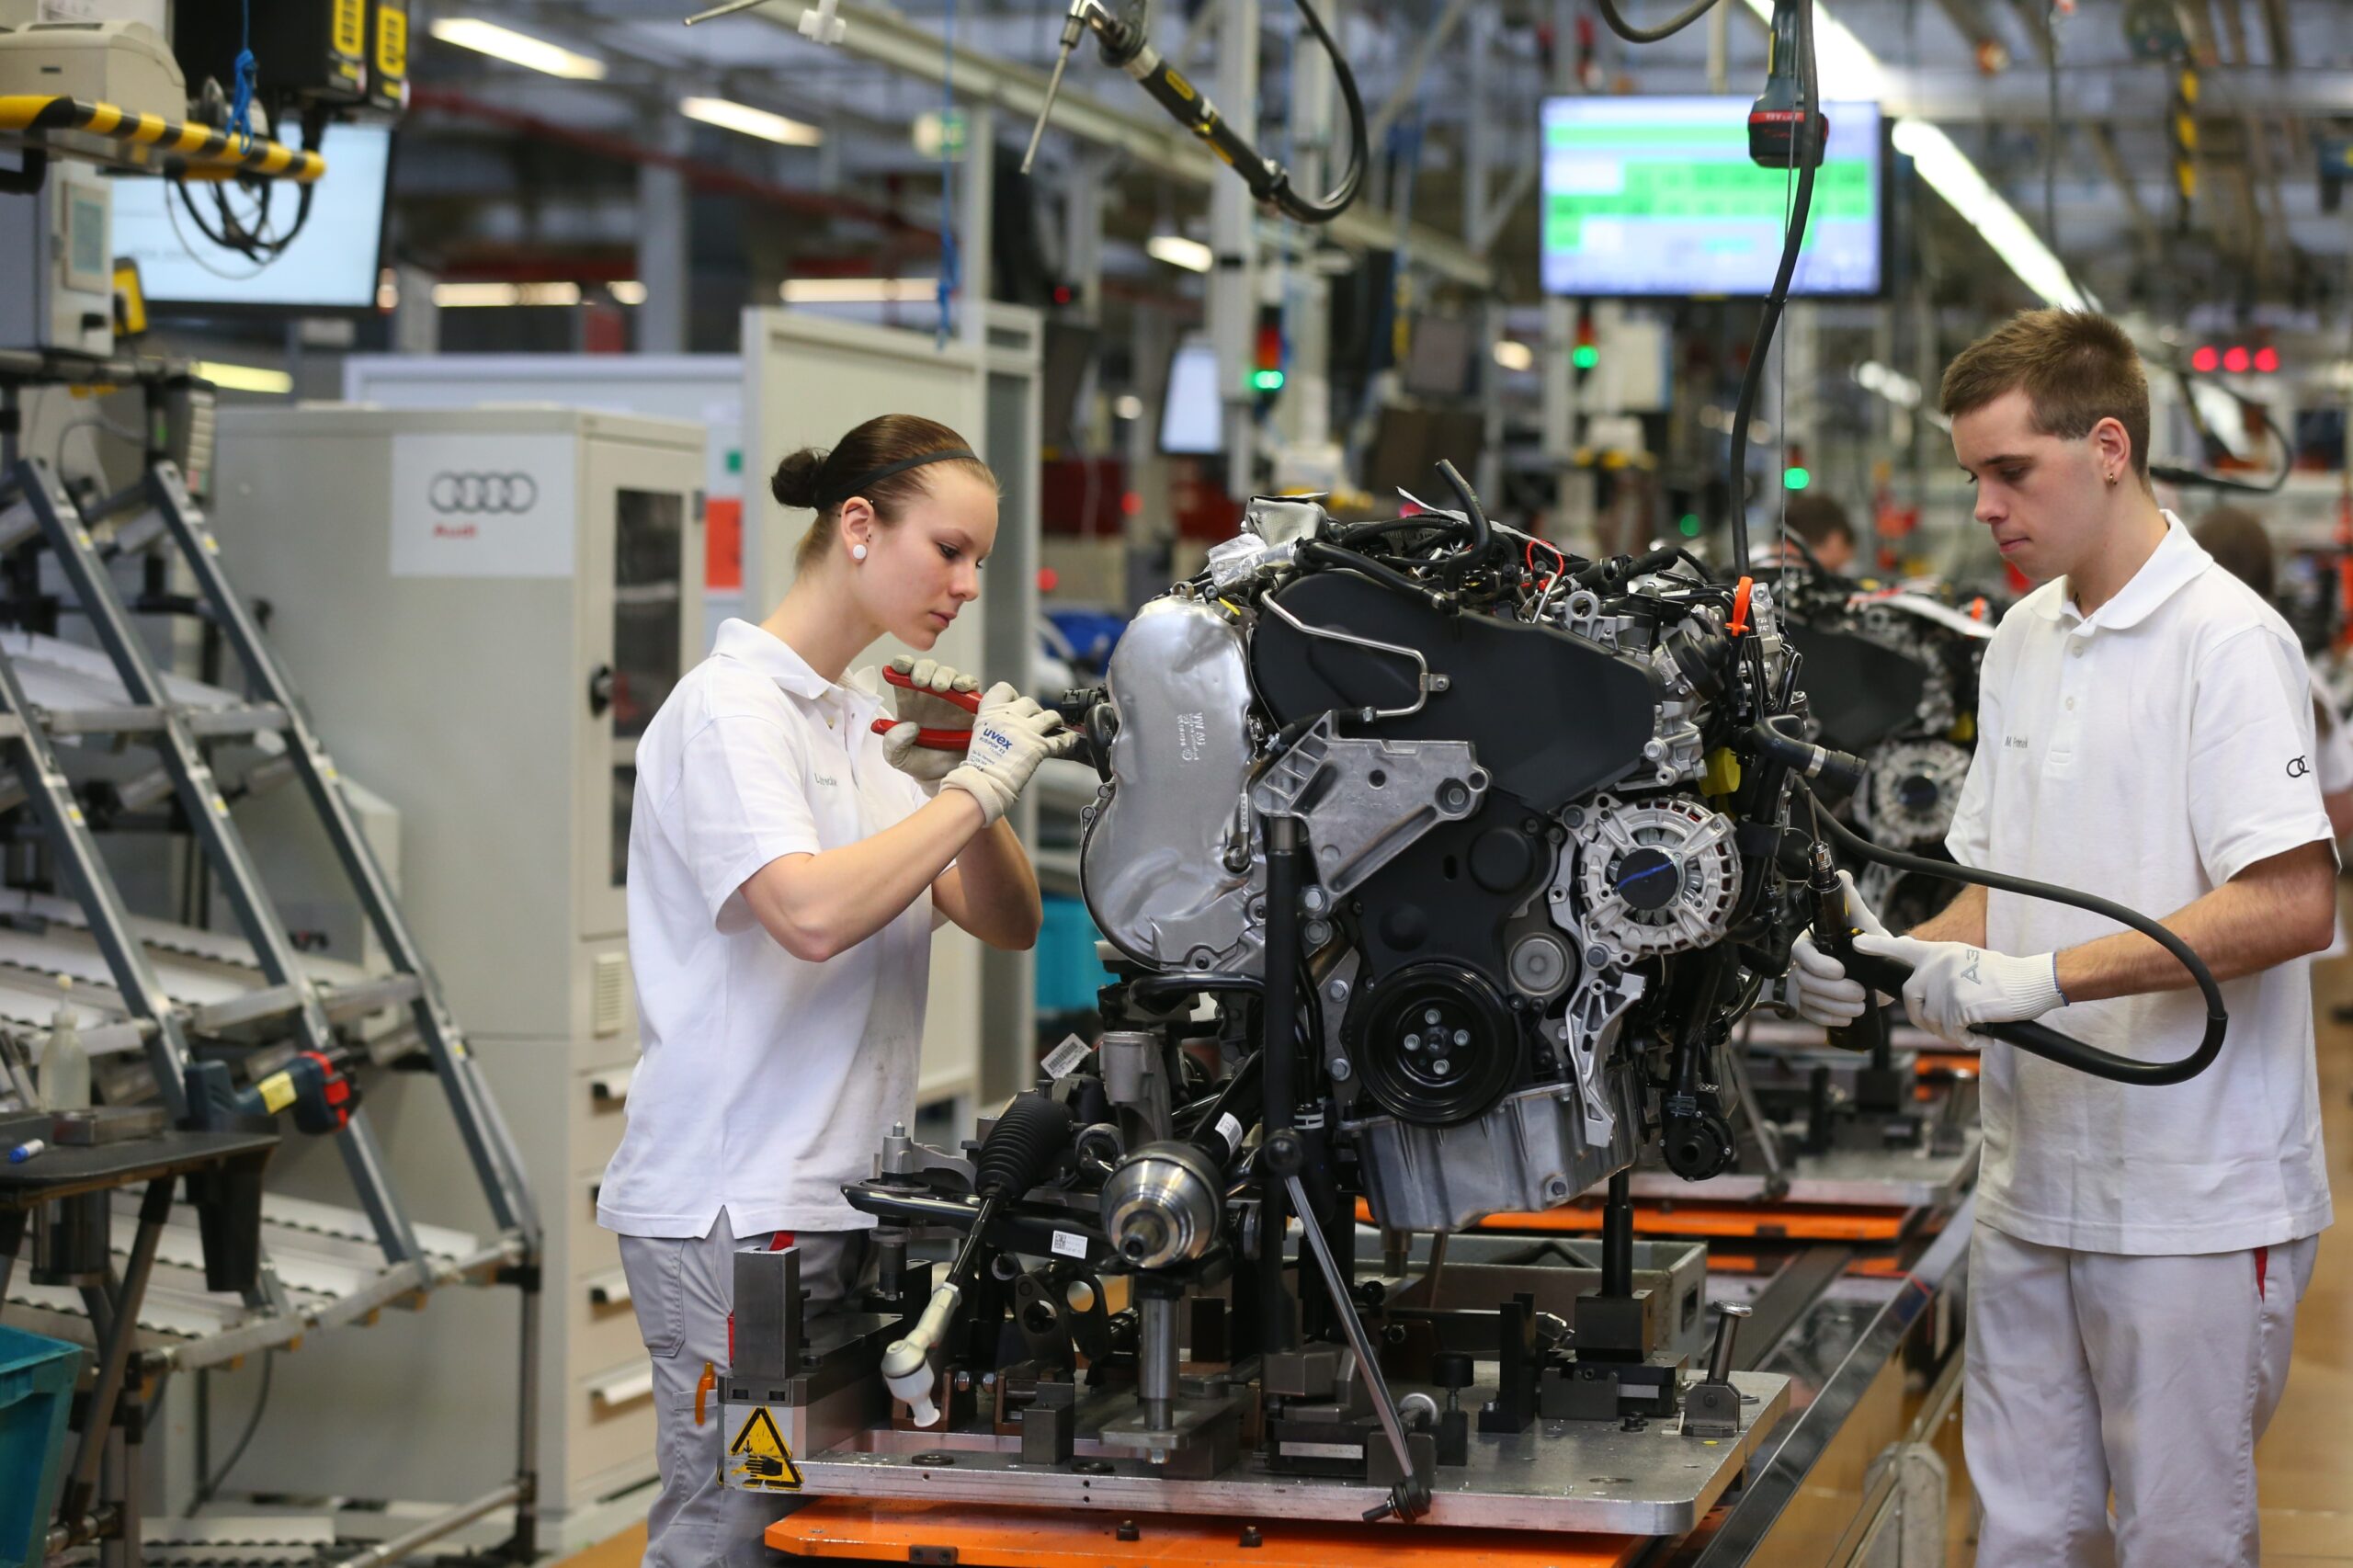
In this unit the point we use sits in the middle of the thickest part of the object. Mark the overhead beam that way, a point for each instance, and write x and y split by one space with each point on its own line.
1961 96
889 40
1409 85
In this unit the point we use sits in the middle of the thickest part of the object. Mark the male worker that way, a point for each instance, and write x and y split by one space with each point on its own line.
1816 521
2146 732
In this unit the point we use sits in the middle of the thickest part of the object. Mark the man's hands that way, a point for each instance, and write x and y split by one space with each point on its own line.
1010 737
1956 985
1818 989
918 707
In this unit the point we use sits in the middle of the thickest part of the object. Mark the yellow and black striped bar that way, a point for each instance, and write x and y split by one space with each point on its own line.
207 150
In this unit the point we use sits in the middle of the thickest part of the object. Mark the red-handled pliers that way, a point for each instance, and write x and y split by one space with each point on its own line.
932 740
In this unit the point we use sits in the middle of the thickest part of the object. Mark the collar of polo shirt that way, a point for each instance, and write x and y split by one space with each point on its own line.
771 655
2177 559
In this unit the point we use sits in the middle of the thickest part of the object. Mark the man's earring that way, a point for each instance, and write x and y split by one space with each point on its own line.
858 551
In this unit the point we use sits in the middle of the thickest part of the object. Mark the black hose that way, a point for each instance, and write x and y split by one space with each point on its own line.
1753 378
1322 552
2037 1039
1236 1097
1360 147
1482 537
1156 990
1632 34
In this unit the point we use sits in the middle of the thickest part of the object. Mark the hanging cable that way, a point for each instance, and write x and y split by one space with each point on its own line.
1806 157
1632 34
1126 45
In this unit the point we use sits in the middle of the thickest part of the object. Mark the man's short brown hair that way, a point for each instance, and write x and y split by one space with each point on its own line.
2076 368
1817 519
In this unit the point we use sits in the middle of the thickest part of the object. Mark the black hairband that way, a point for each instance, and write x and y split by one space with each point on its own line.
843 492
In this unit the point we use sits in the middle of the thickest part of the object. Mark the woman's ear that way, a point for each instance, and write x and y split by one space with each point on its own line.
857 525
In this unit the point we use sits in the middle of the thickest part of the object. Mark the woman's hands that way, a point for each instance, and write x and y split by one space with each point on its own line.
1010 737
922 705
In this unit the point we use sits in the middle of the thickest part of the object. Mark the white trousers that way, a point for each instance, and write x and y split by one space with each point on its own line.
2150 1377
683 1291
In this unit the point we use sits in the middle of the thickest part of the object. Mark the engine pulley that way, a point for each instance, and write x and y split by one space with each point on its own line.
1436 1042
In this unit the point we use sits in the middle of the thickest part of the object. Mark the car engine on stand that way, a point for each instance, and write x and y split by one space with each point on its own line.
1437 867
1891 679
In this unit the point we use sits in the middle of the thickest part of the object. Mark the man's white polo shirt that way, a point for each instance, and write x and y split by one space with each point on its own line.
2148 753
766 1082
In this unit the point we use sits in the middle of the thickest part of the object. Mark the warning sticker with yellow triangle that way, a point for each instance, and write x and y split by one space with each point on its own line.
760 1462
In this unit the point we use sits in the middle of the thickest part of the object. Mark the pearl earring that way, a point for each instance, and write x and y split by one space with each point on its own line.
858 552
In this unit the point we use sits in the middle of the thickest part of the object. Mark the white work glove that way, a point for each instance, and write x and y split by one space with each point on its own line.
1954 985
1011 736
1817 988
917 709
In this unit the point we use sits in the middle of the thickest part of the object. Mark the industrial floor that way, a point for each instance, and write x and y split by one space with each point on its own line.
2305 1464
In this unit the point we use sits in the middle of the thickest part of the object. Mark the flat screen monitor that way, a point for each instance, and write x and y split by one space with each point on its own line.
332 264
1193 415
1656 195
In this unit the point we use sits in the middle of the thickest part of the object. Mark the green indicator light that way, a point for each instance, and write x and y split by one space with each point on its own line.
1689 527
1795 478
1266 380
1585 356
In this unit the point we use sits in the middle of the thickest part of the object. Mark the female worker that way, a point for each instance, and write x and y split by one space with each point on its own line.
786 869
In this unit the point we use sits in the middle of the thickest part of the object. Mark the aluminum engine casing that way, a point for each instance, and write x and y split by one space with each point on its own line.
1528 1153
1154 863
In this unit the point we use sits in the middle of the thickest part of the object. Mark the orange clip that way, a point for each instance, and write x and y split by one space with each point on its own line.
709 1380
1739 621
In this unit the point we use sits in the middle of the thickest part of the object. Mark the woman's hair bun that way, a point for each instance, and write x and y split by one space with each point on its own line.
795 481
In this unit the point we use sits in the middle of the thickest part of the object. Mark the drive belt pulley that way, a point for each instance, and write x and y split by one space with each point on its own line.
1436 1042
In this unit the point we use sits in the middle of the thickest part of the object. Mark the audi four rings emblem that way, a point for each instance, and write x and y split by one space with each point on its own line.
483 494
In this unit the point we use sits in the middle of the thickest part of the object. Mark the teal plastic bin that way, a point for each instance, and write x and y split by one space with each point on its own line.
1068 973
36 1377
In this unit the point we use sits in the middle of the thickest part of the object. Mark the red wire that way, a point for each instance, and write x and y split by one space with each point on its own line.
1528 556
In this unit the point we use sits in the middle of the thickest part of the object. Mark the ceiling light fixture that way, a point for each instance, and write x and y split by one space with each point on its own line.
745 120
516 48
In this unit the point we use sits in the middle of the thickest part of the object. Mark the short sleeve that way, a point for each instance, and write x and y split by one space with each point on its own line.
741 803
2253 787
1971 838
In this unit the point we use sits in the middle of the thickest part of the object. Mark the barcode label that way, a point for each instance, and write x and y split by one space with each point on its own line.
1067 1057
1068 1246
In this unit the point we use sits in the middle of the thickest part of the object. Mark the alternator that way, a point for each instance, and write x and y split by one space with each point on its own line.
1657 876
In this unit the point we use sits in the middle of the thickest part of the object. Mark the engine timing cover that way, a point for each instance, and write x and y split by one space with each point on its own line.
1153 862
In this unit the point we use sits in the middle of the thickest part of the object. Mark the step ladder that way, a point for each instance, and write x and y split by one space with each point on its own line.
166 517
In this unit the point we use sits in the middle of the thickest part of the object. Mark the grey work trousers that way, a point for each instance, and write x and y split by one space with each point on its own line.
683 1290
